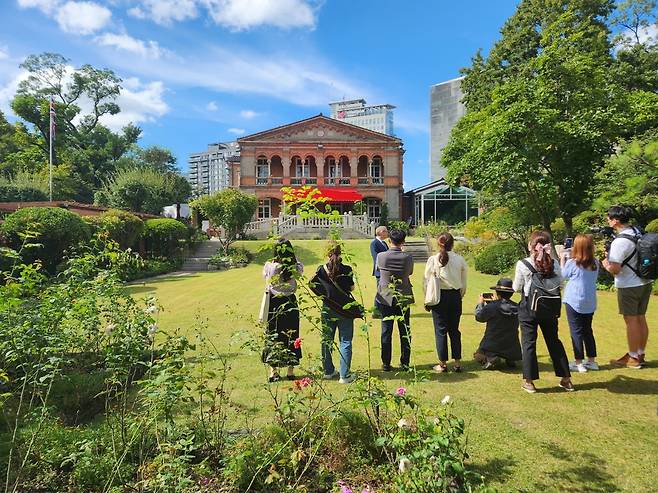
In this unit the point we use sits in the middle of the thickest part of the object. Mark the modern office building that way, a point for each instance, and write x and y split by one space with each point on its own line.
378 118
446 109
210 171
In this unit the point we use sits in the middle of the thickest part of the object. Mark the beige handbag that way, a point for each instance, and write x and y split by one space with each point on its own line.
264 307
432 283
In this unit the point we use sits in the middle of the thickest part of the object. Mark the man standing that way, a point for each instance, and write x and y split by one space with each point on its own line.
394 297
377 246
633 292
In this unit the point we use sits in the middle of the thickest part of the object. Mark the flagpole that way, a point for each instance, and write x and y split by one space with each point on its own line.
50 154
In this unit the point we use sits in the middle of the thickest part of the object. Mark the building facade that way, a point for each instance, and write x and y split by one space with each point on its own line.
378 118
210 171
346 162
446 109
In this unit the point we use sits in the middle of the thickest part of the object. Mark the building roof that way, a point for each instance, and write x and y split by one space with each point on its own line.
325 119
439 184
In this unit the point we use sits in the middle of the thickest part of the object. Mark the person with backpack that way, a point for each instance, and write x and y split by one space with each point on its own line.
538 279
632 259
581 271
334 282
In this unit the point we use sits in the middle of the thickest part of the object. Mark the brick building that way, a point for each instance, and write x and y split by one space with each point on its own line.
346 162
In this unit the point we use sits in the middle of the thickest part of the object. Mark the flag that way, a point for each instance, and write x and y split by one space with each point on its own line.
52 118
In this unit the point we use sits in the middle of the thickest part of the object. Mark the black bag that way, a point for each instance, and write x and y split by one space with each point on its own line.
544 300
646 247
333 296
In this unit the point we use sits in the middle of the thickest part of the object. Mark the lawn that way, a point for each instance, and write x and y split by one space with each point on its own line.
601 438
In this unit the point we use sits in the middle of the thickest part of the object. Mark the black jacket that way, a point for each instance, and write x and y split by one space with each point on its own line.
501 337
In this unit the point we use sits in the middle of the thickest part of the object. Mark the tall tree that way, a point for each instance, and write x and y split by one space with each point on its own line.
543 110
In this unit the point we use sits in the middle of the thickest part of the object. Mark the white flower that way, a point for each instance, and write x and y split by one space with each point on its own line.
129 249
405 465
153 328
109 328
445 400
403 424
152 309
437 421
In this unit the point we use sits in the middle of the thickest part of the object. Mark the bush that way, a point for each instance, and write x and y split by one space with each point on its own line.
498 257
478 228
237 257
431 229
151 267
399 225
652 227
9 193
55 231
163 237
120 226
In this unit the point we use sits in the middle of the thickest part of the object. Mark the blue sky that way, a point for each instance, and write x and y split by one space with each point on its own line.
202 71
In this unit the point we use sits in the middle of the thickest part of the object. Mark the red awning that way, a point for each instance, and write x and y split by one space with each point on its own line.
341 194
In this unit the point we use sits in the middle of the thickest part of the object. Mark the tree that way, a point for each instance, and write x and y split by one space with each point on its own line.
139 190
229 209
543 111
181 191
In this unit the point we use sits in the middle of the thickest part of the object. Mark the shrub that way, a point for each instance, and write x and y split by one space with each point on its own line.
120 226
432 229
55 231
151 267
163 237
9 193
498 257
237 257
478 228
399 225
652 227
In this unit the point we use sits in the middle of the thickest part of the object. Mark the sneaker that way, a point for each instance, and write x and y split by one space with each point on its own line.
621 362
567 385
489 365
348 379
643 362
634 363
330 376
591 365
440 368
387 368
529 387
579 367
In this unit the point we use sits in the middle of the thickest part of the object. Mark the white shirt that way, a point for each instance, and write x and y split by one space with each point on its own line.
523 275
620 250
453 275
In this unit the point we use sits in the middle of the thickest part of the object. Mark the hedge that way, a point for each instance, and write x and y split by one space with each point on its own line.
121 226
498 257
56 231
9 193
163 236
652 227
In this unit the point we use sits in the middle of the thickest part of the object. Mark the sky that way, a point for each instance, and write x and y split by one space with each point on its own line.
202 71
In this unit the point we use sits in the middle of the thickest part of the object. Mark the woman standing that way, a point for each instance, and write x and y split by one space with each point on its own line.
452 272
337 282
534 278
582 271
283 316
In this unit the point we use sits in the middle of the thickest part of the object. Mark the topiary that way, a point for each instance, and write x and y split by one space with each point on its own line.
120 226
652 227
55 230
163 236
498 257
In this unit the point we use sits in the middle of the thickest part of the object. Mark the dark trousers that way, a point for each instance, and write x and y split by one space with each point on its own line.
580 325
548 326
387 332
446 317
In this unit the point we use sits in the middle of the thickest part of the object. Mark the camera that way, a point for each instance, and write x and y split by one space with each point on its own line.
487 297
607 233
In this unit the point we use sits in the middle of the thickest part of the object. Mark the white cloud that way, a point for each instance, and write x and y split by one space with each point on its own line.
165 11
273 75
139 102
82 17
212 106
248 114
145 49
237 15
236 131
245 14
4 52
9 87
46 6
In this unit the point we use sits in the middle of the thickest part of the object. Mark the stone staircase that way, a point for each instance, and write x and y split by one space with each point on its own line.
418 250
198 260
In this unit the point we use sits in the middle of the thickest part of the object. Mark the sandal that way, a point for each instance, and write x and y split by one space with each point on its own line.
567 385
529 387
440 368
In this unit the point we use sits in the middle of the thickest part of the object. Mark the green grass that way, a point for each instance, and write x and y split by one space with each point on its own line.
601 438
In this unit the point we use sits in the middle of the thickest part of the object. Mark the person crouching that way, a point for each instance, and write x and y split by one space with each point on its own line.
501 336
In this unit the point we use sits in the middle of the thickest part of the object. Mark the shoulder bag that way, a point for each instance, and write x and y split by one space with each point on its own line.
432 285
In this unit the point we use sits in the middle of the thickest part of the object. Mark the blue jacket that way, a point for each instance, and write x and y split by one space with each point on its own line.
376 247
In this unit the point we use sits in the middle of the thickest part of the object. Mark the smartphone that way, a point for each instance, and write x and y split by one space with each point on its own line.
568 243
487 296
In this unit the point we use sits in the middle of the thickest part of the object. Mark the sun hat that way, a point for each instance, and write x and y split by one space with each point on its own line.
504 284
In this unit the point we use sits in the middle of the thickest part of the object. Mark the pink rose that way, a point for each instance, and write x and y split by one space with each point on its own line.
400 391
298 343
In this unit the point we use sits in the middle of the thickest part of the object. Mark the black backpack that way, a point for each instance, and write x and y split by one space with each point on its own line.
646 247
544 300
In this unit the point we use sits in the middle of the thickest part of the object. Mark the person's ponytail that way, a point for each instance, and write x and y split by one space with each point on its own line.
540 252
446 242
333 266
